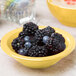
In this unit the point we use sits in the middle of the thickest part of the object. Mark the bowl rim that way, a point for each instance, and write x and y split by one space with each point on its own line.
50 2
66 52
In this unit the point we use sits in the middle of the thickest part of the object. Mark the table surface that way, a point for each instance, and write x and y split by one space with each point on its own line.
9 67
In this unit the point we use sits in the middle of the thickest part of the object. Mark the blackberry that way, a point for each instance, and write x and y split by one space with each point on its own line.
60 46
48 31
54 51
55 42
17 44
58 37
39 37
44 32
33 41
38 51
49 42
22 34
30 28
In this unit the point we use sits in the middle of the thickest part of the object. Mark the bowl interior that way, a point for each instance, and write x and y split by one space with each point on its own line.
8 38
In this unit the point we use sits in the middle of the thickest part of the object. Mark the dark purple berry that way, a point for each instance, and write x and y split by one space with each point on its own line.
16 44
58 36
22 35
49 43
38 51
61 47
55 42
55 51
48 31
30 28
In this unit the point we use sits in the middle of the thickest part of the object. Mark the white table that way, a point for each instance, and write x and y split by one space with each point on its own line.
66 67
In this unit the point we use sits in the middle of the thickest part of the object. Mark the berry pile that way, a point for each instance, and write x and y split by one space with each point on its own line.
35 42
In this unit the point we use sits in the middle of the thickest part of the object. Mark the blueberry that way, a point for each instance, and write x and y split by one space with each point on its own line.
45 39
22 52
27 44
27 38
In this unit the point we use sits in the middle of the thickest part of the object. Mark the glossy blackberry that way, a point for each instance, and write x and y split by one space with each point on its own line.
49 43
38 51
39 37
17 44
61 46
44 32
22 34
48 31
54 45
33 41
55 42
54 51
30 28
57 39
58 36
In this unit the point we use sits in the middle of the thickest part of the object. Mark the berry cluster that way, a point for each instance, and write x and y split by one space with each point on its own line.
36 42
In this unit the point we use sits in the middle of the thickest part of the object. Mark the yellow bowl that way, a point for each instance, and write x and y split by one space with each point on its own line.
66 16
37 62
